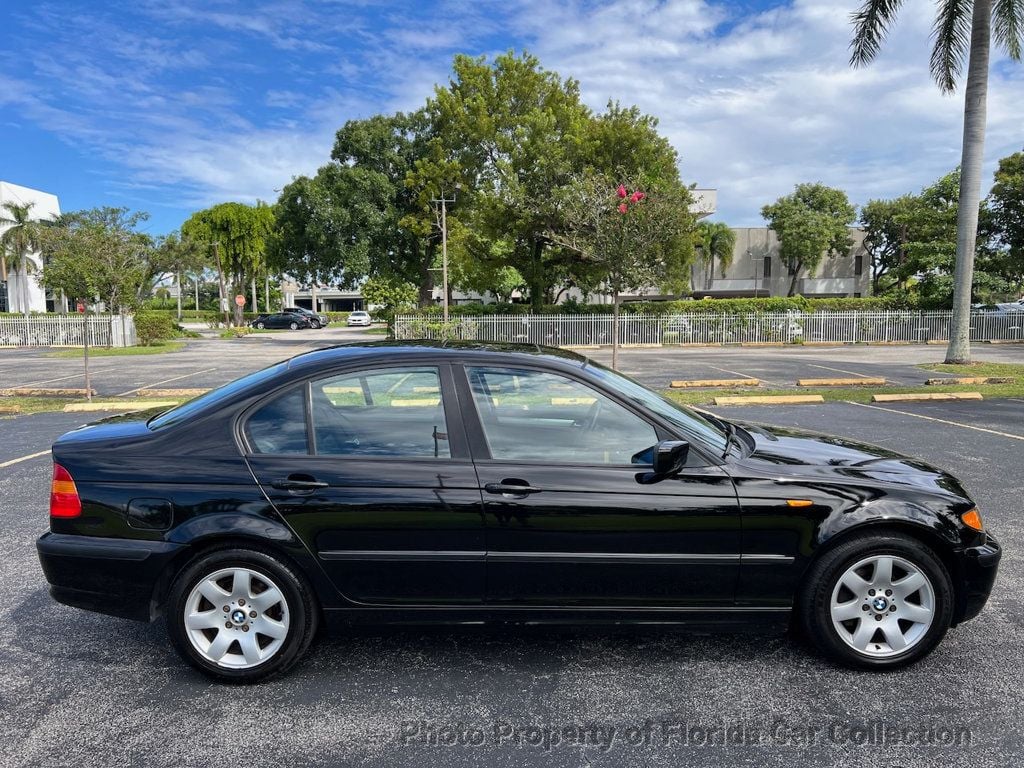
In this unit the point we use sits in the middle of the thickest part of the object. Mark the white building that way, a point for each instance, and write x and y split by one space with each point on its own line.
18 286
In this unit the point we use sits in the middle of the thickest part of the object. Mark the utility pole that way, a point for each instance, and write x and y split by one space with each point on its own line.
444 247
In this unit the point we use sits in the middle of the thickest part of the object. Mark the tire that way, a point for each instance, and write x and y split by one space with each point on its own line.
261 326
294 326
314 324
241 652
849 620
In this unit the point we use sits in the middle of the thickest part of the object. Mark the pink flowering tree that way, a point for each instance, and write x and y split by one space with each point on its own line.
627 236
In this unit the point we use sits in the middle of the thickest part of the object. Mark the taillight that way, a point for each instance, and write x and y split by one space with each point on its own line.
64 501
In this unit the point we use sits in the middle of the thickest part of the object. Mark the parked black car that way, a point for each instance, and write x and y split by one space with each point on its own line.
316 320
399 482
291 320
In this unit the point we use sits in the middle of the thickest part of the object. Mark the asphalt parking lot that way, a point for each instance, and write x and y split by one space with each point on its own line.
83 689
209 363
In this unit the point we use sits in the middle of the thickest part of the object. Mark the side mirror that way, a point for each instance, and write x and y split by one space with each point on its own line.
670 457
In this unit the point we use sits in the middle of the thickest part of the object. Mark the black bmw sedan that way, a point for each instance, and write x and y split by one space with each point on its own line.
403 482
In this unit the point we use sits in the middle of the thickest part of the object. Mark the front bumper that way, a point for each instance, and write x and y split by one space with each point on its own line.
978 565
113 576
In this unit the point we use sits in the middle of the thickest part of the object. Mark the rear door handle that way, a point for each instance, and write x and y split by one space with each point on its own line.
511 489
297 484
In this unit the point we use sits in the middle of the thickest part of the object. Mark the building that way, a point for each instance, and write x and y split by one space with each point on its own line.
17 289
757 270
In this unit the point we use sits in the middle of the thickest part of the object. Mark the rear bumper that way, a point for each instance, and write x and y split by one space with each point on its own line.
113 576
979 565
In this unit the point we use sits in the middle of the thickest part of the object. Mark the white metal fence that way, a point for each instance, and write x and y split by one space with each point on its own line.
701 328
67 331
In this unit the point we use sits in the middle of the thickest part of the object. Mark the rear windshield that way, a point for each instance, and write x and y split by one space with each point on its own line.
214 397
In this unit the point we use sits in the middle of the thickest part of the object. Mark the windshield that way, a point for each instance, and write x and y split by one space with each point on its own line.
213 397
694 426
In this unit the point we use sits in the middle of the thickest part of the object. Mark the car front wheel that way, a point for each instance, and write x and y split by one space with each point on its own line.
877 601
314 323
261 325
294 326
240 615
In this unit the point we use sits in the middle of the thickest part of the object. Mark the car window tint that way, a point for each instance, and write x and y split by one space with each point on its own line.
381 412
532 415
280 425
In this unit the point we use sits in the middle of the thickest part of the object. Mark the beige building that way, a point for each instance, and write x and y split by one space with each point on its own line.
757 270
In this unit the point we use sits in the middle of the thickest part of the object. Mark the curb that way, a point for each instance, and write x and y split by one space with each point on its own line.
861 381
81 407
686 384
926 396
172 392
44 392
770 400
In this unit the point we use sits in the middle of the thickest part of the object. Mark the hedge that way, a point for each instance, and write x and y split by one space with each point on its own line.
704 306
154 327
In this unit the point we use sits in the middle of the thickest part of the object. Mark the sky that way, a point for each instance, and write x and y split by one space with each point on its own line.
168 107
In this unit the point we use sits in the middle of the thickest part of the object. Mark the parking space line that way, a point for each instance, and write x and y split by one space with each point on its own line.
941 421
840 370
62 378
165 381
12 462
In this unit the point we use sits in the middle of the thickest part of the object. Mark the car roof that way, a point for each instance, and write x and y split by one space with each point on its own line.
419 348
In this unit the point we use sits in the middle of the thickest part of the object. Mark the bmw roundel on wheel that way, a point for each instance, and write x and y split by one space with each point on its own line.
398 482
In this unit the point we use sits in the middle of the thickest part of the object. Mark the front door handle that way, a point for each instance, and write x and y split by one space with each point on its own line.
514 488
298 483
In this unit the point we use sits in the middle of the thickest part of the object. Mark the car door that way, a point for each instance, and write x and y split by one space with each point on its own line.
572 514
371 468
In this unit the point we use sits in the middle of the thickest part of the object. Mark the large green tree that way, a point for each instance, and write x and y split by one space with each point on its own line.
519 133
963 29
100 254
1006 218
237 234
367 212
810 223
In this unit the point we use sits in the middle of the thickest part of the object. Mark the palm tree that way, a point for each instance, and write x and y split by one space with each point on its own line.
962 29
715 241
20 239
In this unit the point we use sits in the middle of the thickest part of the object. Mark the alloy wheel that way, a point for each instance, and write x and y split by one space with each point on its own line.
236 618
882 606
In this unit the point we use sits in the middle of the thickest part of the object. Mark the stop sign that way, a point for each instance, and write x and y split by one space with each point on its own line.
240 300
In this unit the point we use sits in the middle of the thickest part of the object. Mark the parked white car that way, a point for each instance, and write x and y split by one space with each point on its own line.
359 318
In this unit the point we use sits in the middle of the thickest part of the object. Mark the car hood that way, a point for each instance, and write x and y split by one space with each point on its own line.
812 455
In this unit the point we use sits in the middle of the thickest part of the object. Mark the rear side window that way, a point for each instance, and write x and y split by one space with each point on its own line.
280 425
381 412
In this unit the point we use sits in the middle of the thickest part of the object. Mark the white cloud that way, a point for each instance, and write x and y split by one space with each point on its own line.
754 103
771 101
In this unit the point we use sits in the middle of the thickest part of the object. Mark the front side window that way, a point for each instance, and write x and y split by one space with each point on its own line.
537 416
395 412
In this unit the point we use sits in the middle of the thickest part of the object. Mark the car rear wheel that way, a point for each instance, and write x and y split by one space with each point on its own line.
294 326
240 615
877 601
261 325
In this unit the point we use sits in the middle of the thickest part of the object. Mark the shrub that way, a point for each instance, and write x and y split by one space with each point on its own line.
236 333
687 306
153 327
